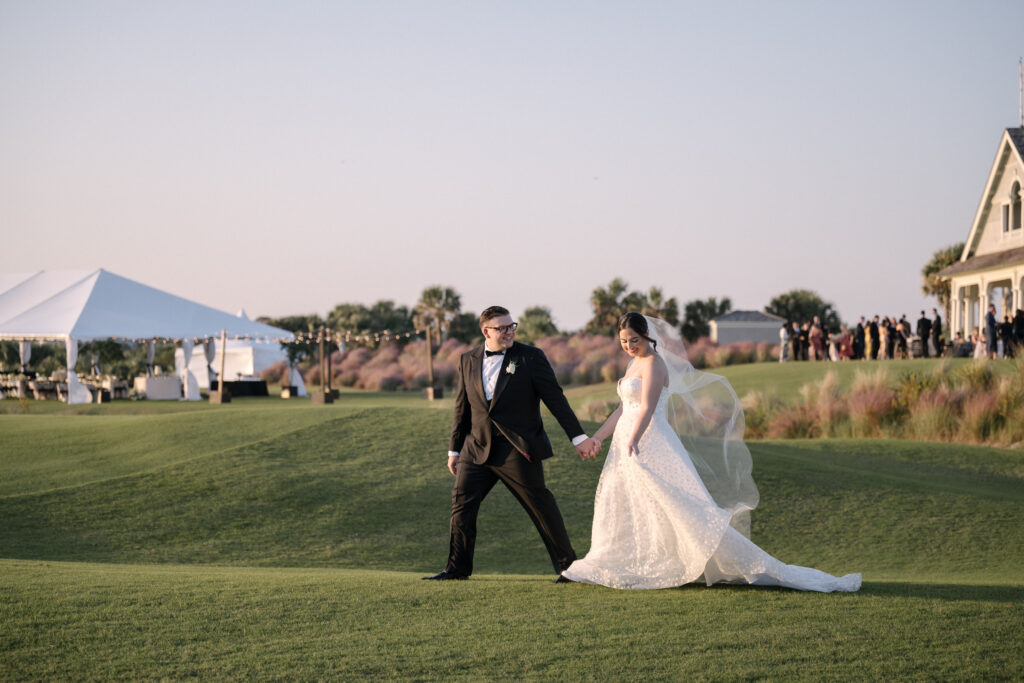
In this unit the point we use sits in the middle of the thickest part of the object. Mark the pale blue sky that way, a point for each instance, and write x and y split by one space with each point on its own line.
284 157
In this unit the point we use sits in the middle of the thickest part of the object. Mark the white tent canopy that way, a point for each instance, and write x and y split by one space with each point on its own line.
55 305
75 306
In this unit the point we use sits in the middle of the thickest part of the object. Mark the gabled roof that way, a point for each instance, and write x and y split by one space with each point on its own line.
1011 145
749 317
101 305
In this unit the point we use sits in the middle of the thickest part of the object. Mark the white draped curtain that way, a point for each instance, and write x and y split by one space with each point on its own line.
210 351
25 350
77 392
295 380
188 380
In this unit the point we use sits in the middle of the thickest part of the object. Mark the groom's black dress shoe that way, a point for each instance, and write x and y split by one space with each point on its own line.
446 576
564 579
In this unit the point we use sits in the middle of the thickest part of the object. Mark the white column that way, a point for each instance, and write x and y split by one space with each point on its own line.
955 310
983 299
1015 290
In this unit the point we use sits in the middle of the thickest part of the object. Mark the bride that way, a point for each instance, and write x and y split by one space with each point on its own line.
674 497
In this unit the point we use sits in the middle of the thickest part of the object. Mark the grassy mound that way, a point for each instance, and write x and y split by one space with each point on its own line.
276 539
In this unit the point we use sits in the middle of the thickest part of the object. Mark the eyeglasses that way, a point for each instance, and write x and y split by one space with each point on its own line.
504 329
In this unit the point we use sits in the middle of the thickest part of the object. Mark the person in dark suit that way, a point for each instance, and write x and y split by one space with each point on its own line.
796 342
497 435
858 340
991 331
924 331
875 337
937 340
904 324
1006 335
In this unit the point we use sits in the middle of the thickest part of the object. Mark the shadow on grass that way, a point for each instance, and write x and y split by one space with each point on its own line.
953 592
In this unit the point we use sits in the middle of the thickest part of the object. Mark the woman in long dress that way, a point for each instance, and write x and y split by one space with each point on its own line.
980 343
665 513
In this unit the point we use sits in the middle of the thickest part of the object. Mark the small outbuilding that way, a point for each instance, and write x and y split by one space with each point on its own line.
746 326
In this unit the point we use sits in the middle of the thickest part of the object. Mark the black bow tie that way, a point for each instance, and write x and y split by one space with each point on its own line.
488 353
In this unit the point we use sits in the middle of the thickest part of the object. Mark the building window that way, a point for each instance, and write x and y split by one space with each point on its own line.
1015 207
1006 218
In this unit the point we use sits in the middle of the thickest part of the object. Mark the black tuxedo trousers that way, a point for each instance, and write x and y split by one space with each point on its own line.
525 480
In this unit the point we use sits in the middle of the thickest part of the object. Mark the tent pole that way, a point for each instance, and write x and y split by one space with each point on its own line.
324 395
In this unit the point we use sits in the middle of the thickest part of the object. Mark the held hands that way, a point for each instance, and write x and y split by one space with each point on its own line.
589 448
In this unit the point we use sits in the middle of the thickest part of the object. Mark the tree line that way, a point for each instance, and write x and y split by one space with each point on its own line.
439 314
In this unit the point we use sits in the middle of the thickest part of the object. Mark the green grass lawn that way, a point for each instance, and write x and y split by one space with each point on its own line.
277 539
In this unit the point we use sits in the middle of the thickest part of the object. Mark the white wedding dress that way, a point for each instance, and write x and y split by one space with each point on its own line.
657 526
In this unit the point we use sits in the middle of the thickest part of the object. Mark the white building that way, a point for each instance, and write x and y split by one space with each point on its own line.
991 267
741 326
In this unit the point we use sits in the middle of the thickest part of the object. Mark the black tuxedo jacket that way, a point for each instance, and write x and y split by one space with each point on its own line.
525 379
924 327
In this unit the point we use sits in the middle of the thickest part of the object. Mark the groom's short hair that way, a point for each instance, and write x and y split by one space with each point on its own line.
492 312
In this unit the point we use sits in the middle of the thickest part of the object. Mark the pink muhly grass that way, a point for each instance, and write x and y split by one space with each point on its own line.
719 357
743 352
825 404
381 377
933 416
870 403
451 350
758 409
980 419
274 373
612 370
354 359
766 351
791 422
557 350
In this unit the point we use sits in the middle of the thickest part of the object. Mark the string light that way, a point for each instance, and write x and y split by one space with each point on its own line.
299 338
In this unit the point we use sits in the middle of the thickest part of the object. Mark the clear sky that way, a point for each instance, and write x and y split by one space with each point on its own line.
288 156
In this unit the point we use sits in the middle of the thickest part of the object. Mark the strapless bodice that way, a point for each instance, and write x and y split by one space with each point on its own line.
630 390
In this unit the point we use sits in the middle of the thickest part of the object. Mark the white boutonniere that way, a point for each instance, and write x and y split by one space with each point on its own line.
511 369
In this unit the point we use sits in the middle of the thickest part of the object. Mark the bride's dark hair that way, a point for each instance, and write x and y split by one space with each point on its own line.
638 323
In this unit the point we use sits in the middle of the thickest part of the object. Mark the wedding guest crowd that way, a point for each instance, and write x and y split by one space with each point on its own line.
885 337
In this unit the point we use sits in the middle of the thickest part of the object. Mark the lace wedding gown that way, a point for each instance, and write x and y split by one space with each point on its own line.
657 526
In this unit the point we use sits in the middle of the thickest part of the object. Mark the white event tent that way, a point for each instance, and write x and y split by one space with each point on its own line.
245 358
75 306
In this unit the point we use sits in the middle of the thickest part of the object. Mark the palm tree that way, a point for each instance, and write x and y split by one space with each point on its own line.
655 305
931 283
607 304
437 307
698 316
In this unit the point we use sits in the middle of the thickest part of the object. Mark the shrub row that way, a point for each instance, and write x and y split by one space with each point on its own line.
576 360
968 405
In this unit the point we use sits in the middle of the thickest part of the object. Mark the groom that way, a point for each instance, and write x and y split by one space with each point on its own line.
497 435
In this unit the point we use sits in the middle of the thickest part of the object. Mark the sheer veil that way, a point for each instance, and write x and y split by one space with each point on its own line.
705 413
